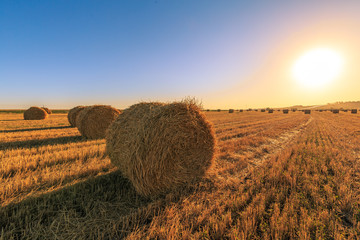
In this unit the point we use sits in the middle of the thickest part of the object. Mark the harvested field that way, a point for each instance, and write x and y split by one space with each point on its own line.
275 176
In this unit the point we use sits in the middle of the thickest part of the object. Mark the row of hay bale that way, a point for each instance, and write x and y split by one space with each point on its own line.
36 113
286 111
157 146
92 121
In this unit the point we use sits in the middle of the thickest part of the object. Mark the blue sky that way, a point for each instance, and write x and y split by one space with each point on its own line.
65 53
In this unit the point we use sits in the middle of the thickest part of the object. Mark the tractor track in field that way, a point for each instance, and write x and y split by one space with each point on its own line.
273 147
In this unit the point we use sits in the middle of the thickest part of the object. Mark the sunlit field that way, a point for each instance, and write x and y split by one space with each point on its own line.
275 176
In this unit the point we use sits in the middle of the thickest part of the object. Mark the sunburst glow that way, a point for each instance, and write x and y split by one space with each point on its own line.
318 67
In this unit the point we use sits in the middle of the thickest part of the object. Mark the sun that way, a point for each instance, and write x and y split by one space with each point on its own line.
318 67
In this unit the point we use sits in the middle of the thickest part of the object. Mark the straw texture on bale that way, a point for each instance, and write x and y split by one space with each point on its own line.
159 147
93 121
47 110
35 113
73 113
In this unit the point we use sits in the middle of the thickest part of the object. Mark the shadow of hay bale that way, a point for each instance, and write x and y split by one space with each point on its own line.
106 204
33 129
41 142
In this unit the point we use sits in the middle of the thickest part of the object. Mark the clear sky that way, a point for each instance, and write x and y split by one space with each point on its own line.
228 54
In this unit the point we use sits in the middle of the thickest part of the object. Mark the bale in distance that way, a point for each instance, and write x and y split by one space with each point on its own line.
262 110
73 113
47 110
307 111
335 111
354 111
231 110
270 111
93 121
35 113
241 110
159 147
285 111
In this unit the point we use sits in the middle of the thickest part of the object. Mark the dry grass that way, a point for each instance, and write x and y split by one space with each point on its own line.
276 176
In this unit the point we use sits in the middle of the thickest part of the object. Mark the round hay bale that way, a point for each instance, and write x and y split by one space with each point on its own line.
72 114
35 113
93 121
47 110
159 147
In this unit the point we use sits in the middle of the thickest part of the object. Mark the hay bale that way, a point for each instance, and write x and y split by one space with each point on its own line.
285 111
354 111
270 111
73 113
241 110
35 113
231 110
159 147
93 121
307 111
335 111
47 110
262 110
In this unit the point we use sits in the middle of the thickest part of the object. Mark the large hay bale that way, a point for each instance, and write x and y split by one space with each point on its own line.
161 146
93 121
73 113
35 113
47 110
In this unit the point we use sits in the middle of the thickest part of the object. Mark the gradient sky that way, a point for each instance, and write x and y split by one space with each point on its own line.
228 54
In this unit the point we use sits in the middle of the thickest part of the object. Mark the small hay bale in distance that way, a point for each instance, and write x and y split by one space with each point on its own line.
241 110
262 110
47 110
307 111
270 111
73 113
35 113
231 110
354 111
285 111
93 121
219 110
335 111
159 147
